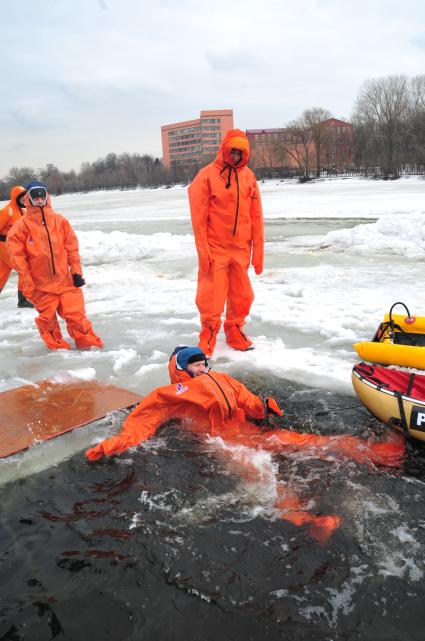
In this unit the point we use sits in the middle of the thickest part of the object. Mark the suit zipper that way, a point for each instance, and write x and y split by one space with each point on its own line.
50 242
221 390
237 202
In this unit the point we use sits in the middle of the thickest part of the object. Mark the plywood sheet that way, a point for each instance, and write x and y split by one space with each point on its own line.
43 410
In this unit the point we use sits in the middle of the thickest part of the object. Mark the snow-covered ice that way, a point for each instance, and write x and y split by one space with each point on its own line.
338 253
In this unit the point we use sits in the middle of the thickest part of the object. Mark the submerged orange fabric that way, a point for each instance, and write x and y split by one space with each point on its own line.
9 215
227 221
44 250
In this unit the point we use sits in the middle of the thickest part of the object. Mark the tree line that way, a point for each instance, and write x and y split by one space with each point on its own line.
123 171
388 138
389 126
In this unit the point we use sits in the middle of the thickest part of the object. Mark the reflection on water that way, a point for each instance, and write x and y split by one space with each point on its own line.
175 540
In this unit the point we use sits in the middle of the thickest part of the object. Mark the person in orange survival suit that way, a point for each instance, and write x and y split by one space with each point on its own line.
9 214
44 250
219 405
227 221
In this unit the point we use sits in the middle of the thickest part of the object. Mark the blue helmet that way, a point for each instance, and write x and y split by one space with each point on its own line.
35 183
186 355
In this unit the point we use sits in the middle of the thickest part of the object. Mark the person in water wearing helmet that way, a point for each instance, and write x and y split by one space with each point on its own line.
9 214
227 221
44 250
217 404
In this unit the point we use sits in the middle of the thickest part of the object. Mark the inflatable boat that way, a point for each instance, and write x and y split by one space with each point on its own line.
395 397
399 340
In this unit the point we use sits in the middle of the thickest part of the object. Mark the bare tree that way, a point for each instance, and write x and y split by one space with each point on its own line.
314 118
299 145
383 108
418 119
21 175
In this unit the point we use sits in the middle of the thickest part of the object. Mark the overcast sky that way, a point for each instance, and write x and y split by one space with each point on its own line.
82 78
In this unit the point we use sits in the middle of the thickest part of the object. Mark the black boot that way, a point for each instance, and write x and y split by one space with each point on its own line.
22 301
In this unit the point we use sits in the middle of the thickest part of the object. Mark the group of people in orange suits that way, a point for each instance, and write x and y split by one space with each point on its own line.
43 248
227 221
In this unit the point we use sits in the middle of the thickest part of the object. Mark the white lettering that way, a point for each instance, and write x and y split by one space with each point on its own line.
420 418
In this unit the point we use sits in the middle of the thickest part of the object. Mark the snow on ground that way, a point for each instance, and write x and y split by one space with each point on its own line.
338 254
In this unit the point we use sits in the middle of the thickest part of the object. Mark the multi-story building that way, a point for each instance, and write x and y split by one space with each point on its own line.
195 141
338 148
285 148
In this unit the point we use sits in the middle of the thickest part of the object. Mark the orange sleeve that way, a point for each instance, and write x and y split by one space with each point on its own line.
199 196
257 230
16 240
159 406
4 217
252 405
71 247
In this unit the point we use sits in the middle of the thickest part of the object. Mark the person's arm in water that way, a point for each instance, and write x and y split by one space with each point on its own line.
252 405
171 401
139 425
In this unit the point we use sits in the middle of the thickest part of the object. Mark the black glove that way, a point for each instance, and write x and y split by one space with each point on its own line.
78 280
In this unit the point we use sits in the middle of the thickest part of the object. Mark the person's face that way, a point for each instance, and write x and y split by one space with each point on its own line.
38 196
236 156
198 368
39 202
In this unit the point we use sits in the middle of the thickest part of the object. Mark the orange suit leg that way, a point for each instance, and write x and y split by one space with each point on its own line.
46 305
71 309
240 295
212 290
388 452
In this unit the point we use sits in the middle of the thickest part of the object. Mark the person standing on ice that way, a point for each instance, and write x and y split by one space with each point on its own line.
216 404
44 251
227 221
9 214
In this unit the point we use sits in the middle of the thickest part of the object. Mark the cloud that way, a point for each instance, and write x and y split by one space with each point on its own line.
103 75
230 54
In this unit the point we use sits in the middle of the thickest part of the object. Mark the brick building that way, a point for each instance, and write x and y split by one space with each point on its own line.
195 141
280 148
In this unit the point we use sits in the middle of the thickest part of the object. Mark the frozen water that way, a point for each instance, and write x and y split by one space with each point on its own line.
338 253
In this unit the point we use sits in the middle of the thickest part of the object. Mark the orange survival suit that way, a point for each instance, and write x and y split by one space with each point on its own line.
44 250
9 214
220 405
217 404
227 221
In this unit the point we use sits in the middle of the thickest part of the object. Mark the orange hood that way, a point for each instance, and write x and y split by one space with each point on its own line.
234 139
15 192
11 212
33 211
177 375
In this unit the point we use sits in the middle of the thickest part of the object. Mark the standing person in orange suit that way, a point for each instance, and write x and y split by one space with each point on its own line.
44 251
227 221
9 214
216 404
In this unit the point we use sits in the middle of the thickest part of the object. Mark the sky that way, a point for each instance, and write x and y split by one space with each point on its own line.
83 78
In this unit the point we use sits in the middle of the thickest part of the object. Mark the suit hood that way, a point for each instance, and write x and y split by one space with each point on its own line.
234 139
